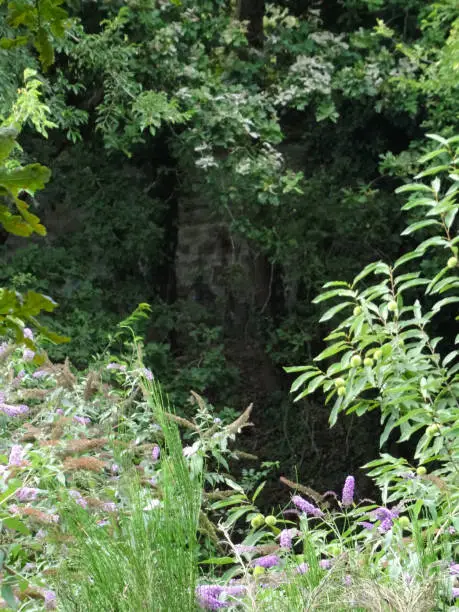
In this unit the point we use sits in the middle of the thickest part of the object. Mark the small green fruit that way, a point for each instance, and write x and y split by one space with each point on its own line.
377 354
404 522
452 262
432 430
356 360
341 391
421 471
368 362
257 521
357 311
271 520
392 305
258 570
340 382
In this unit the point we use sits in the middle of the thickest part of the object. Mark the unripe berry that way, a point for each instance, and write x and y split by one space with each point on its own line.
257 521
377 354
341 391
452 262
368 362
271 520
392 305
357 311
356 360
404 522
340 382
421 471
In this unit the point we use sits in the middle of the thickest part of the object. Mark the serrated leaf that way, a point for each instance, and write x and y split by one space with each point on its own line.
299 382
414 227
333 293
413 187
449 300
8 137
329 314
377 267
430 171
332 350
432 155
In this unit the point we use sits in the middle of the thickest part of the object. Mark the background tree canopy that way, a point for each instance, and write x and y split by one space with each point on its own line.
221 162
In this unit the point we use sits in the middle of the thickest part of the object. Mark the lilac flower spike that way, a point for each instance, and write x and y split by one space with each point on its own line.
16 455
208 596
302 568
455 593
347 497
82 420
267 561
325 564
50 600
148 373
79 499
28 333
13 411
28 354
285 538
26 494
155 453
306 507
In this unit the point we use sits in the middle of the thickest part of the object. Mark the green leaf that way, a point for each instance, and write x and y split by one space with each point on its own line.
428 156
329 314
414 227
445 302
218 561
15 524
377 267
333 293
413 187
332 350
8 137
29 178
430 171
8 596
42 44
299 382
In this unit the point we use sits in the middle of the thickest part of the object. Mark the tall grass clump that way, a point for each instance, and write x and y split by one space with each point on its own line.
146 557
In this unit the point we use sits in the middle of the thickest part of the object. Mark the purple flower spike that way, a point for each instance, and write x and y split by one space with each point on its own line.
366 525
28 333
208 597
267 561
50 600
455 593
16 455
148 373
285 538
155 453
26 494
347 497
28 354
302 568
13 411
454 569
82 420
386 525
325 564
306 507
79 499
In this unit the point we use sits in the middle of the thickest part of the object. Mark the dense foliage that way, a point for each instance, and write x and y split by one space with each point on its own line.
208 167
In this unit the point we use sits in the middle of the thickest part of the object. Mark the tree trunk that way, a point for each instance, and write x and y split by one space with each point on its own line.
252 11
